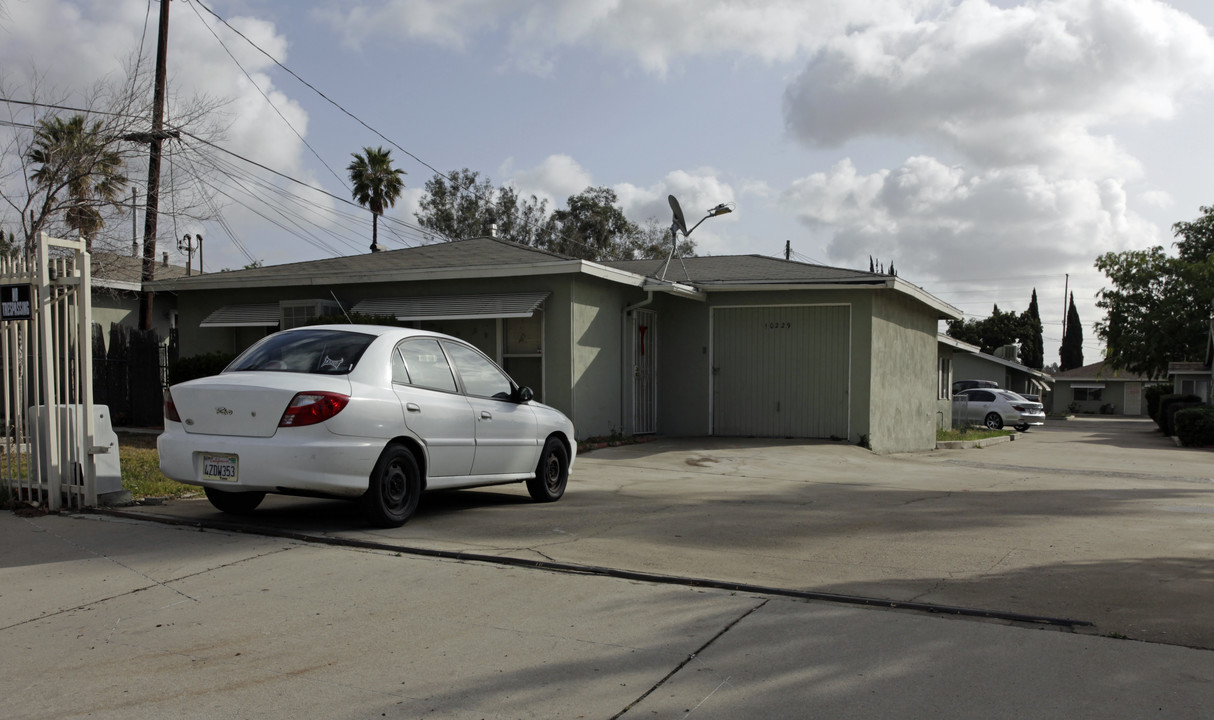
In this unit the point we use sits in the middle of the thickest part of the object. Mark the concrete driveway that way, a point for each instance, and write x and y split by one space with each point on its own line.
1098 520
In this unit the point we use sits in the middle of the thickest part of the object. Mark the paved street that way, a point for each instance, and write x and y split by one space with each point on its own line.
1095 520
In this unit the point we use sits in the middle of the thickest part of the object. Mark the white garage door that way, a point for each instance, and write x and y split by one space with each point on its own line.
781 371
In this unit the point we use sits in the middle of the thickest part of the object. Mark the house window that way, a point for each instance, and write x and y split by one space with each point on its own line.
1200 388
946 378
296 316
523 351
1086 394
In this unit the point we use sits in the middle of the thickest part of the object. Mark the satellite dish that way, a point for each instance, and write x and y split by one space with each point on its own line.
679 222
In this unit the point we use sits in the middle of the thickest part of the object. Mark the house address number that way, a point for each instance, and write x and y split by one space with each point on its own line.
777 325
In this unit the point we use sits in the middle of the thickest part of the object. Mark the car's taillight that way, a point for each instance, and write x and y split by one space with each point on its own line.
309 408
1019 408
170 409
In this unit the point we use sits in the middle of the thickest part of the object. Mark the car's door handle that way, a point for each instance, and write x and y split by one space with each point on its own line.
486 415
413 407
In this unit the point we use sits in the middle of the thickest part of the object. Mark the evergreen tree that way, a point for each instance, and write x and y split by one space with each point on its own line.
1071 353
1032 345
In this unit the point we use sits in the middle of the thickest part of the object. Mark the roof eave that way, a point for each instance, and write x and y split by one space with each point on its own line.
946 311
234 279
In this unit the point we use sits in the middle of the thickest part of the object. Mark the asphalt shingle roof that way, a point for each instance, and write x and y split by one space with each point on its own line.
744 268
473 252
1097 371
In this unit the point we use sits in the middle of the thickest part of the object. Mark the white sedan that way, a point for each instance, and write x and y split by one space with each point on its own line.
372 413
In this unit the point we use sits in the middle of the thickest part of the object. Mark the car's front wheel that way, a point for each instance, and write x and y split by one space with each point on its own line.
1023 427
234 503
994 421
552 474
394 489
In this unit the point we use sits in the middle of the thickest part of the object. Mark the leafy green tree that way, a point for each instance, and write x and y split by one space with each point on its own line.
461 205
80 162
592 226
1157 307
991 333
1070 355
1032 345
377 185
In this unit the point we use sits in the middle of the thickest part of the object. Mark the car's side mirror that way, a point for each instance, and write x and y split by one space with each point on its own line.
523 394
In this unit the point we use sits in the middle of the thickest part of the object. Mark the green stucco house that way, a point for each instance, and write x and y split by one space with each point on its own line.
722 345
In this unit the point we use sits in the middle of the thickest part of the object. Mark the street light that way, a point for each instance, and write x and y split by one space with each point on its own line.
680 225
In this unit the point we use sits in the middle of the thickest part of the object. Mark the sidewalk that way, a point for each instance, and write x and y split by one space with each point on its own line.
115 618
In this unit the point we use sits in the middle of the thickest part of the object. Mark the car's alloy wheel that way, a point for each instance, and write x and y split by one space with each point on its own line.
552 473
394 489
234 503
994 421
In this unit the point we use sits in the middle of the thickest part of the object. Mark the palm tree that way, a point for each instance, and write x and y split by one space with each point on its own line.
376 185
80 160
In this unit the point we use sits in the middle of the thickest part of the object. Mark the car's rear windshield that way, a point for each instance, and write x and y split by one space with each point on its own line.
325 352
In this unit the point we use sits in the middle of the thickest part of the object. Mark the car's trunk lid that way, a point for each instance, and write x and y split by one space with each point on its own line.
245 404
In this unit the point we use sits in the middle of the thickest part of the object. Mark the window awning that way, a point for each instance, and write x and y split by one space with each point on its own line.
1087 386
455 307
263 315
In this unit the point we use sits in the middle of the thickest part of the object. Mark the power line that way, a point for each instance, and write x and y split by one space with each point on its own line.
479 199
273 107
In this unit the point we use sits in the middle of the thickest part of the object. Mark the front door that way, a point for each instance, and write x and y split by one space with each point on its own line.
1133 398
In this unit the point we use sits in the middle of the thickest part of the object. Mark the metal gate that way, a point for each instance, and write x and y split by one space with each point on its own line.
47 452
644 372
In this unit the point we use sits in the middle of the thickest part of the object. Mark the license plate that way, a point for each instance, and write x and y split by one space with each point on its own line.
219 467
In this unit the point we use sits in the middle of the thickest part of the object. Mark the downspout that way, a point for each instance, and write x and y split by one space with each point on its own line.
626 387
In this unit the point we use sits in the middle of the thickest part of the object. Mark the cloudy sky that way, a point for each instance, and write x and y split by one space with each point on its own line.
984 147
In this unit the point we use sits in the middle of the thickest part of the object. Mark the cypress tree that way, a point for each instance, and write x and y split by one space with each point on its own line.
1071 353
1032 345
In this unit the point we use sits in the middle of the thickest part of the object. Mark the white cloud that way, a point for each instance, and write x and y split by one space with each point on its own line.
653 33
1024 85
936 221
554 180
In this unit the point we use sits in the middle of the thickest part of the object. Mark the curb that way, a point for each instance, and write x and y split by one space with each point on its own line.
967 444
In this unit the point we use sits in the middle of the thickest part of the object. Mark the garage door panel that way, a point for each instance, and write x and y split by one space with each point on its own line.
781 371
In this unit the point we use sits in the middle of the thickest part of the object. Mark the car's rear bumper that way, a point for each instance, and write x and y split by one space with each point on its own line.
307 460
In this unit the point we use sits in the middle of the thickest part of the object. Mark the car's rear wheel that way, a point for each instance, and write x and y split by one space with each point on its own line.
994 421
394 489
234 503
552 474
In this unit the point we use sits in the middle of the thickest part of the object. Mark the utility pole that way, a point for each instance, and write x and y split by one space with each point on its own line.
788 249
153 194
1066 309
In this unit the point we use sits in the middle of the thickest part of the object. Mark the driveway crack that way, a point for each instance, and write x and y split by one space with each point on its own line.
693 656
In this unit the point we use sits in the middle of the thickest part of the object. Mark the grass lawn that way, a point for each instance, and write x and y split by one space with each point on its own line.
141 474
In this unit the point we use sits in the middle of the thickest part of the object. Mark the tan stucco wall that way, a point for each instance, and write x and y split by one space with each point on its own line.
903 406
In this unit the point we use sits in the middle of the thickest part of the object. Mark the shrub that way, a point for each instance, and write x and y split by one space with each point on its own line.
1195 426
1153 395
199 366
1168 407
1160 406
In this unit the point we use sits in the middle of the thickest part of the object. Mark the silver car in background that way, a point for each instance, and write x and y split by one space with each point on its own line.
996 409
